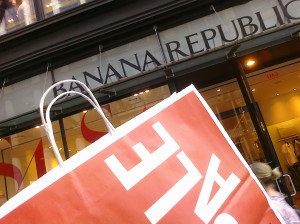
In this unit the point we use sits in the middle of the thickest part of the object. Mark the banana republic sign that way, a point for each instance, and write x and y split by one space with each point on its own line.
191 38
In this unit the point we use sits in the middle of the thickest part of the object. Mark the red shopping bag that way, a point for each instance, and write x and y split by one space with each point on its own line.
174 163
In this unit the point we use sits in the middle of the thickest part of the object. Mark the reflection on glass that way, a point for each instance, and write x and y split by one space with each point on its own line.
84 128
52 7
30 154
17 14
226 101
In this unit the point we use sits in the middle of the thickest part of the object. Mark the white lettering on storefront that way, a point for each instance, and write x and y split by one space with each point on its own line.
204 210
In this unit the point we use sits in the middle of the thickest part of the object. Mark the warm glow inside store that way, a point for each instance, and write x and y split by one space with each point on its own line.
259 106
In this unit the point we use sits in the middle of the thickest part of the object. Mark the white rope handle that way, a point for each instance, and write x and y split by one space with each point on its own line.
47 123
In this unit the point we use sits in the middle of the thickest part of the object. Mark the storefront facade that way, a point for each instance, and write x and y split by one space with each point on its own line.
259 106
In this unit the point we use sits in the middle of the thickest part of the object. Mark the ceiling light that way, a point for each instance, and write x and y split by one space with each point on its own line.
50 147
253 90
85 111
135 94
141 93
277 94
60 148
250 62
37 126
70 150
146 91
295 89
218 90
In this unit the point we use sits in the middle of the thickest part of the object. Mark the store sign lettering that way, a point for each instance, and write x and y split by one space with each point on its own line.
192 44
110 75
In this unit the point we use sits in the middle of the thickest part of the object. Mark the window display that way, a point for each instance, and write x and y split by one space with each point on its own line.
15 14
25 157
86 127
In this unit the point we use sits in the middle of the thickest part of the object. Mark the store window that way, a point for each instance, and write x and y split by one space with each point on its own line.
226 101
86 127
27 155
18 13
277 93
15 14
53 7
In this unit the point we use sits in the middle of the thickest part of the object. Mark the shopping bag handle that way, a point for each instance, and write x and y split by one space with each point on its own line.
47 122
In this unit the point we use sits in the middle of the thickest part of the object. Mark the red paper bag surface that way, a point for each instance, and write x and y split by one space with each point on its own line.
172 164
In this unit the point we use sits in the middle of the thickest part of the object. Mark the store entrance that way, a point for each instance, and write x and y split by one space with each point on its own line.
276 91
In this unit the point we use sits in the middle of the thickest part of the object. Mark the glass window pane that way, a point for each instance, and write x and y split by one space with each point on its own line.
85 127
53 7
227 102
15 14
31 154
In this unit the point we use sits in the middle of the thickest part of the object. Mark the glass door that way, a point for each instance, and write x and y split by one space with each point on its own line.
277 93
227 102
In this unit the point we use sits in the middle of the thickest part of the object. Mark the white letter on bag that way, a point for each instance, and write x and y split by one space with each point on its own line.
160 208
206 210
149 161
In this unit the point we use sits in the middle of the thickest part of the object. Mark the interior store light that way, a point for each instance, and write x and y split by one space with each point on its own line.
37 126
277 94
295 89
250 62
85 111
142 92
253 90
218 90
50 5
